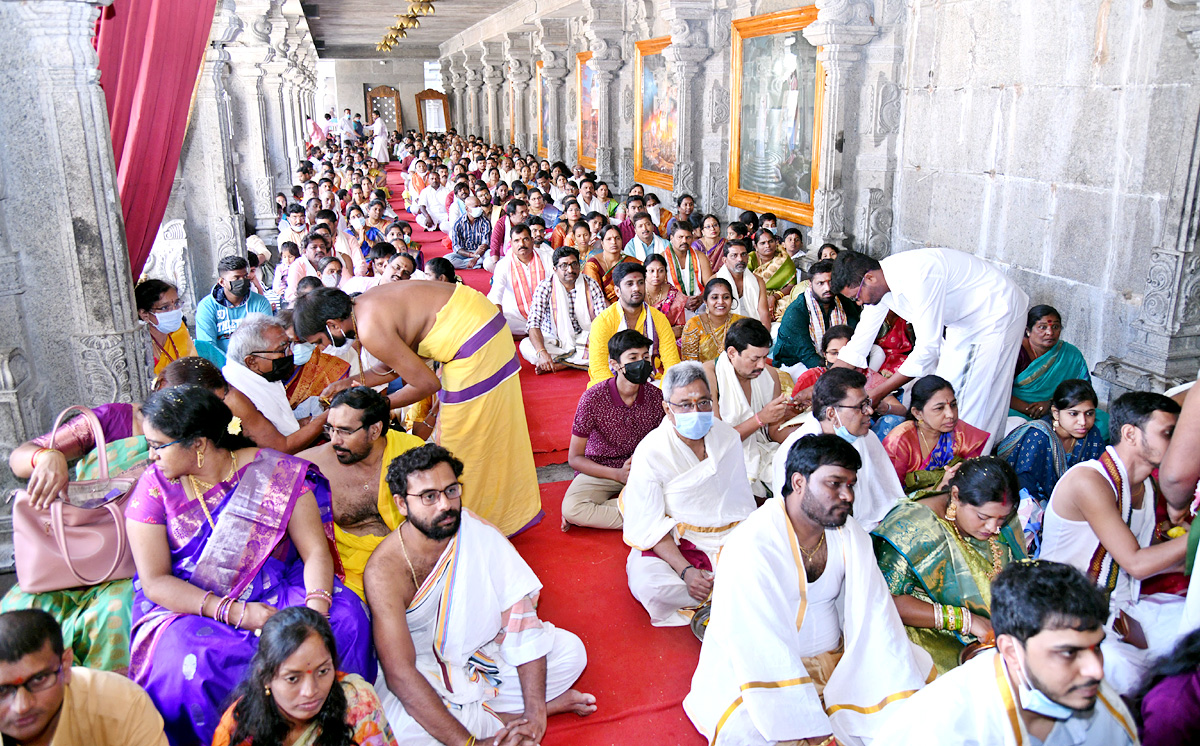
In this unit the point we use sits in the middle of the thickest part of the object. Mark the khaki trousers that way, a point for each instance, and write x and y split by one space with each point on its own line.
592 502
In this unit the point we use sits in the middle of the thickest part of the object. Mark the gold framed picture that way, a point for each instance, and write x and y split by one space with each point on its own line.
543 111
655 115
587 119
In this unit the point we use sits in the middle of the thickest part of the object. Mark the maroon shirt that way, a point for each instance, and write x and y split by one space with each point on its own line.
613 429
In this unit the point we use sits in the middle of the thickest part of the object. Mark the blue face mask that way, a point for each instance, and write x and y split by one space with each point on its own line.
1035 701
693 425
843 433
302 351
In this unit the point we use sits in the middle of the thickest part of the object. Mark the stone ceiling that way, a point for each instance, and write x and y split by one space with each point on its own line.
352 28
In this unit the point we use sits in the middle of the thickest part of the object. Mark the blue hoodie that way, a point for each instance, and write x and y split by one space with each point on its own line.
217 318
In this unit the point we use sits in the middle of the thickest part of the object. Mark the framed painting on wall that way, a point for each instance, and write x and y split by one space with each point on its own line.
775 115
588 120
655 115
543 109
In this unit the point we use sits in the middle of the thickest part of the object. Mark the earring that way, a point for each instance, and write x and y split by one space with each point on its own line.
199 459
951 511
267 689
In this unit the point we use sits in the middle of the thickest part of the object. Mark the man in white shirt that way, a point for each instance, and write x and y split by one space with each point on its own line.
969 319
516 276
645 241
749 290
431 205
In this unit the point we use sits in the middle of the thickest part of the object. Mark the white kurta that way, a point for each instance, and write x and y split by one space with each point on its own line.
751 686
759 449
878 489
268 397
747 302
672 493
503 294
379 140
982 313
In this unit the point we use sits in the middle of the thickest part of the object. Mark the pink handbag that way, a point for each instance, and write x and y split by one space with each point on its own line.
80 542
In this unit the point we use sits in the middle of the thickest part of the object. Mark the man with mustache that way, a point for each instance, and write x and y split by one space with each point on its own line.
560 315
803 326
1044 683
630 312
749 290
361 445
464 657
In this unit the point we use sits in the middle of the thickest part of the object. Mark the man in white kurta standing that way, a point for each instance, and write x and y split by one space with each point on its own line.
803 644
980 311
686 491
379 139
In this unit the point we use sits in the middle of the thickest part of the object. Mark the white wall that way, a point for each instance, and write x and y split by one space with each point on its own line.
406 75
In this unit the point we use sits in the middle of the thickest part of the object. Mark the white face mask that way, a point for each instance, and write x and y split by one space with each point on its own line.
655 213
169 321
475 211
302 352
329 281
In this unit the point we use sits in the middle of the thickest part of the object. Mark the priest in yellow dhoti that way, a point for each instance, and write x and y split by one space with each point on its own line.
481 417
355 461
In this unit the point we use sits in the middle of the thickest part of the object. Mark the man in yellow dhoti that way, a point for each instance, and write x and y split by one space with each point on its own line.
481 416
355 461
803 645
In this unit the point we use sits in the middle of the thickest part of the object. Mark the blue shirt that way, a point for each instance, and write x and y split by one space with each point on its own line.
217 318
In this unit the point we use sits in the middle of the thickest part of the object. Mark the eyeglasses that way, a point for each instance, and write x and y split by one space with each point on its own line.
281 351
345 432
429 498
154 447
39 682
864 406
701 405
861 282
168 307
572 266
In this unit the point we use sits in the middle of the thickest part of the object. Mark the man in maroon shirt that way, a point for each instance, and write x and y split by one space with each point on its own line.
611 419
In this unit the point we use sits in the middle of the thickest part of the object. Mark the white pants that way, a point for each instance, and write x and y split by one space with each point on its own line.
564 663
527 350
660 589
1124 665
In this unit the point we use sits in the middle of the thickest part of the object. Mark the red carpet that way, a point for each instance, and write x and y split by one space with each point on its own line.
550 402
638 673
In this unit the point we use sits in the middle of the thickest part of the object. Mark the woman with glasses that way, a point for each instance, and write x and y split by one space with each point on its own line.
711 242
159 309
775 268
927 449
223 535
940 553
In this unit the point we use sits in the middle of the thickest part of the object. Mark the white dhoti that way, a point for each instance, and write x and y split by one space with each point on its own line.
672 493
758 449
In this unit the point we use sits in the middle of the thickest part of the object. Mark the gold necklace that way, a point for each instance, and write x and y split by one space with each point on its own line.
196 487
362 374
416 585
809 555
993 545
708 329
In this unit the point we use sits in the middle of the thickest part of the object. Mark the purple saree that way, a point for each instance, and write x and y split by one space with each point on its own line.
190 664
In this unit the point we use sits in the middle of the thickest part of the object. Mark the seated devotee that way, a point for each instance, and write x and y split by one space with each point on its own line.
203 591
927 449
703 337
563 233
634 204
515 213
516 276
793 244
684 212
361 444
687 269
749 398
803 644
296 228
377 259
1100 519
630 312
439 269
539 208
939 555
314 370
159 309
330 268
804 324
610 421
470 237
749 291
828 251
484 669
687 489
430 207
289 251
65 704
710 241
1043 684
1044 361
775 268
661 294
600 266
1168 701
260 359
834 340
1042 450
841 407
315 248
228 303
661 215
294 693
560 315
645 240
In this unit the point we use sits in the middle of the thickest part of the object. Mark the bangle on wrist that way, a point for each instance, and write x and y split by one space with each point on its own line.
204 601
684 571
759 421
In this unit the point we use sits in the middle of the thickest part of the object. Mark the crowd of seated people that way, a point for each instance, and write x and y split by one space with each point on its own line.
835 468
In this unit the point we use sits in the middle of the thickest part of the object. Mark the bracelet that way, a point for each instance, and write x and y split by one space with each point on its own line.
470 740
319 594
223 610
204 601
684 571
966 625
937 617
756 419
33 459
242 616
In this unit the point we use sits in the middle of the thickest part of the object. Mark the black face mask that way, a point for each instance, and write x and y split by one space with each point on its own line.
281 368
240 288
638 372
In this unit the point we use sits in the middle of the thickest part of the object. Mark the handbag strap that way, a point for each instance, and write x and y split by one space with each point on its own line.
60 538
93 423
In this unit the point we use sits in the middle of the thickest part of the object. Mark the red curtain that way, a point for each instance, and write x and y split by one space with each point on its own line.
150 56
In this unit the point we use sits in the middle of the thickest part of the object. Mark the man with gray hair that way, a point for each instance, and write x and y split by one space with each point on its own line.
687 490
258 361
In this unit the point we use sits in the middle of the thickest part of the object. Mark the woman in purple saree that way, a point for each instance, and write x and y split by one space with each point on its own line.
223 536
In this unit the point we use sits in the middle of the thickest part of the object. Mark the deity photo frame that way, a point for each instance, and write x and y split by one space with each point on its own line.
655 115
587 121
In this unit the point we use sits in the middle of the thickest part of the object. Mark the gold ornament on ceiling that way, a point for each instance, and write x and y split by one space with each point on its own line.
420 8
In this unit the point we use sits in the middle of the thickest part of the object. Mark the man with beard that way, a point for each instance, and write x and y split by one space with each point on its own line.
1041 684
630 312
798 343
355 460
804 643
1101 520
560 315
464 657
749 290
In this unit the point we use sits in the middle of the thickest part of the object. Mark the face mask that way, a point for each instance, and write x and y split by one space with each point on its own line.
358 223
348 335
329 281
169 321
638 371
302 351
843 433
655 213
475 211
693 425
406 238
281 369
240 288
1035 701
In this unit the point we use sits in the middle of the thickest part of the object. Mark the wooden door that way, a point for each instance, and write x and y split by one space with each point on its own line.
387 100
433 111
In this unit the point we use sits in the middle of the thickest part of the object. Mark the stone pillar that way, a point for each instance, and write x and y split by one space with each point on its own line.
605 32
458 92
686 55
275 115
475 123
519 57
447 88
493 80
69 335
841 30
248 113
555 43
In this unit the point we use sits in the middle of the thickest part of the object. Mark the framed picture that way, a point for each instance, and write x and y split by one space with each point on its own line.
588 119
512 113
775 115
543 109
654 117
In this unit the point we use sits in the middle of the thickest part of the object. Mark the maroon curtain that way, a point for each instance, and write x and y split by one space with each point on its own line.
150 55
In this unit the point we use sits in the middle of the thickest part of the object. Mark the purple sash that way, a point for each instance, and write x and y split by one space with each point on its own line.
473 345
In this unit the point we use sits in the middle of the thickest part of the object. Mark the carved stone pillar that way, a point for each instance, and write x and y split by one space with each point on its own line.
274 106
475 114
248 112
518 57
685 58
493 79
458 92
841 30
605 32
447 88
555 42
